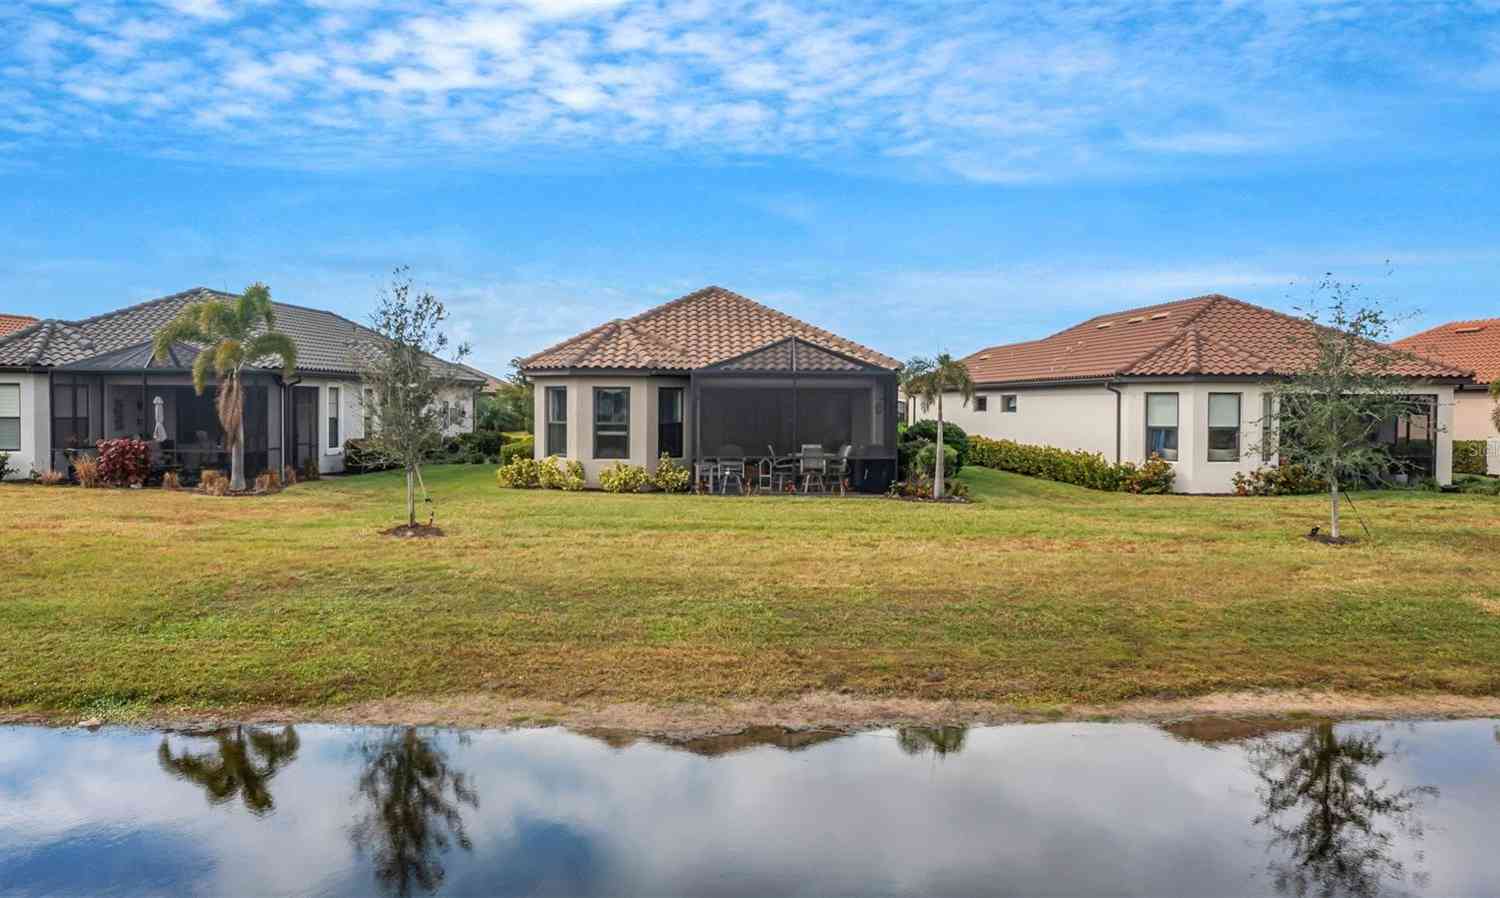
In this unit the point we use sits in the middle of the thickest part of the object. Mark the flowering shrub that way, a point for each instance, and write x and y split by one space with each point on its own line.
555 474
124 462
1283 480
521 473
622 478
1073 466
670 477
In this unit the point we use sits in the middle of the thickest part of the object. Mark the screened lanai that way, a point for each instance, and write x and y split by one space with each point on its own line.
782 399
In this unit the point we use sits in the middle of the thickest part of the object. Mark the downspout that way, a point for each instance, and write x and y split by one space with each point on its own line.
1119 398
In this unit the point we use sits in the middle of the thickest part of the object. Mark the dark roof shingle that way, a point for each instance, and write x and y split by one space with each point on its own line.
326 343
1206 335
693 331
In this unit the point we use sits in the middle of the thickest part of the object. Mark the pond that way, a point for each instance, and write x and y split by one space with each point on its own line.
1208 807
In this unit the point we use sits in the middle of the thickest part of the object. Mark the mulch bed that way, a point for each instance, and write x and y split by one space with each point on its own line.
414 531
1319 537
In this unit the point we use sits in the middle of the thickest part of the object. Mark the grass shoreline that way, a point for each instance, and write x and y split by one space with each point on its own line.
1038 597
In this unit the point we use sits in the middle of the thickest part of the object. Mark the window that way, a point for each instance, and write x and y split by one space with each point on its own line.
1161 425
1223 427
1008 403
611 422
10 417
333 418
557 421
981 403
669 404
445 416
1267 426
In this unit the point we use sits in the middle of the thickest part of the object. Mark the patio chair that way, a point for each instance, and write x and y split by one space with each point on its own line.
731 469
705 474
814 471
838 469
774 474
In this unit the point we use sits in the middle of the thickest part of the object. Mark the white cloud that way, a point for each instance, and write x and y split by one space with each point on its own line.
992 93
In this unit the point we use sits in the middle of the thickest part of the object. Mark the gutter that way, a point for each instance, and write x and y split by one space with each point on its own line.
1119 398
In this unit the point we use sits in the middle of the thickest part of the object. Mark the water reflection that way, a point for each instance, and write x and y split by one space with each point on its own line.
414 811
1212 807
937 741
242 763
1335 821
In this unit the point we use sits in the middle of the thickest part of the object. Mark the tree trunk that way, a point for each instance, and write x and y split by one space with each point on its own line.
237 457
411 497
1333 495
937 480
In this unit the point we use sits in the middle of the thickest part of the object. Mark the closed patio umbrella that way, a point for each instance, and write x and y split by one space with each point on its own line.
160 433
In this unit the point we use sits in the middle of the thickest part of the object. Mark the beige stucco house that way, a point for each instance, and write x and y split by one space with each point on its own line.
1474 345
714 373
1188 380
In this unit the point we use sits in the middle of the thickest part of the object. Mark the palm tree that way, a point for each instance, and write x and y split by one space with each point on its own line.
930 380
234 334
913 368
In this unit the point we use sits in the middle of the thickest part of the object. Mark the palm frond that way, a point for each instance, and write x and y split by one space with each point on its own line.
202 367
185 328
228 355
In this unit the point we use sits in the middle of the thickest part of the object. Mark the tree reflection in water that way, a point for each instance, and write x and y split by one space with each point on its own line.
415 810
937 741
241 764
1336 825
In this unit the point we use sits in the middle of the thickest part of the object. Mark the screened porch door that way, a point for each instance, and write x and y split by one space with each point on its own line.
304 425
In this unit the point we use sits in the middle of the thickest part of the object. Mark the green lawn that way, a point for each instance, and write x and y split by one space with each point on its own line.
1040 593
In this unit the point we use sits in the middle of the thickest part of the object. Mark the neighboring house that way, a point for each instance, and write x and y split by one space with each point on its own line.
1185 380
65 385
714 374
1474 345
9 324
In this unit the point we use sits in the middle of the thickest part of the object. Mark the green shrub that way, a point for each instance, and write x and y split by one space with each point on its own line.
555 474
1468 457
358 459
622 478
481 443
926 460
5 469
518 449
953 435
1073 466
521 473
1484 486
1282 480
670 477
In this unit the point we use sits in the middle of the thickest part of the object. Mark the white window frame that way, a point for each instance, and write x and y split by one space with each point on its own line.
1176 427
333 400
1239 428
19 416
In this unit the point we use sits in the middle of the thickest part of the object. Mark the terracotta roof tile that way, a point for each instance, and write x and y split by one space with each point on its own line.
1466 344
700 329
1204 335
9 324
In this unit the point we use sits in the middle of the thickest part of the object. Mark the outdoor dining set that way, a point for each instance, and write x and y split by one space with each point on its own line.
811 470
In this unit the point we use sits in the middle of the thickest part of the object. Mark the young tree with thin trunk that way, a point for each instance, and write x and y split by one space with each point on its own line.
404 380
929 379
233 335
1329 413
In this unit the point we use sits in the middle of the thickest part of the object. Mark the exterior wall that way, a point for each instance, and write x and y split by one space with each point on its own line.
1081 417
351 419
1471 415
644 439
1084 418
36 436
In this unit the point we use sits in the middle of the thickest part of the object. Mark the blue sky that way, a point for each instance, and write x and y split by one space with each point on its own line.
918 176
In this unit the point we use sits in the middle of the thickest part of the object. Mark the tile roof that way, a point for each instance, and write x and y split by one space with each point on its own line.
326 343
1204 335
9 324
700 329
1466 344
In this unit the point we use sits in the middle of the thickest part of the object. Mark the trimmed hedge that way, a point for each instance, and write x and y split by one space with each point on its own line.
1073 466
518 449
1468 457
1282 480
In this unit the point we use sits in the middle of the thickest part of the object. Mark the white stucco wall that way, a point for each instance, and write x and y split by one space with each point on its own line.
32 454
644 441
1471 415
1084 418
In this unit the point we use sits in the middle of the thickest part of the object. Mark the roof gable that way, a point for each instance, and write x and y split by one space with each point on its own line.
1467 344
703 328
793 355
1203 335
